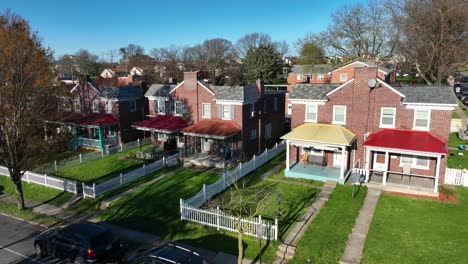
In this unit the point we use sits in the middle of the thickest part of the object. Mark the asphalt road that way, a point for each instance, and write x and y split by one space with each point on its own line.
16 242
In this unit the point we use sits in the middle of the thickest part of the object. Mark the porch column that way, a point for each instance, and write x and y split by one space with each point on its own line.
100 137
367 161
287 154
436 182
385 173
343 162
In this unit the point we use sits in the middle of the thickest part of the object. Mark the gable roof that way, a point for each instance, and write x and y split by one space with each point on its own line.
160 90
427 94
236 93
321 133
121 93
312 91
308 69
367 64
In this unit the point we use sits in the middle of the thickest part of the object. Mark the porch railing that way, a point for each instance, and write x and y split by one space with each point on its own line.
402 179
89 142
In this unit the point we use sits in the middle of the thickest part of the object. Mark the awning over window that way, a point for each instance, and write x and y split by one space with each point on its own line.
218 129
162 123
321 133
410 140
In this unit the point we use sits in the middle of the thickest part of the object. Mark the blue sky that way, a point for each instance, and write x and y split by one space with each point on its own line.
99 26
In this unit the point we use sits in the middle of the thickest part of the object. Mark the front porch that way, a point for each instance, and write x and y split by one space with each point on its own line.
204 159
318 173
413 181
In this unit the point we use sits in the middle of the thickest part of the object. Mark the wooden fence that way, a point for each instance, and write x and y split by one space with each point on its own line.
456 177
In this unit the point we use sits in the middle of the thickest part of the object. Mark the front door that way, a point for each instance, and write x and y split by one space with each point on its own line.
337 159
379 161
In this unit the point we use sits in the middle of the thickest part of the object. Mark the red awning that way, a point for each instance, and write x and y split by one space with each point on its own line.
212 129
409 140
168 123
97 119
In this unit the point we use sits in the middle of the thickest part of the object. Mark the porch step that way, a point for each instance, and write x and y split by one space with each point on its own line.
286 251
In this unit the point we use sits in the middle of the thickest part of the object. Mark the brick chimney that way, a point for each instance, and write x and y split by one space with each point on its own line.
190 79
260 87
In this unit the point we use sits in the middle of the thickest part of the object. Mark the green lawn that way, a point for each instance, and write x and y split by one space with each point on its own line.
36 192
454 141
455 115
155 209
325 239
457 161
409 230
105 168
28 215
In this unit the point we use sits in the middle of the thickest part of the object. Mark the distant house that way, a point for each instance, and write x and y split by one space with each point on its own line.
319 73
346 72
219 120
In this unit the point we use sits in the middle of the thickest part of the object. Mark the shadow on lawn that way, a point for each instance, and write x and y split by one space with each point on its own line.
215 242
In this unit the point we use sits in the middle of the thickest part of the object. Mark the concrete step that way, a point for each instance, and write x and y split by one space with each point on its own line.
286 251
71 202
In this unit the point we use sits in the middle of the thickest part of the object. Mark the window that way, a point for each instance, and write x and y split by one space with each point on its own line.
299 77
132 104
95 106
320 76
421 119
178 108
226 111
416 162
343 77
311 113
206 110
66 105
77 105
275 104
109 107
160 106
387 117
268 131
253 133
339 114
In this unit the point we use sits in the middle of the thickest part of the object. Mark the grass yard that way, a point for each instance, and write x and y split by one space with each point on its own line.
28 215
325 239
36 192
455 115
454 141
456 161
409 230
105 168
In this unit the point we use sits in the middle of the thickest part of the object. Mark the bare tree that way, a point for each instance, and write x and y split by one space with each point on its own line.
131 52
282 47
252 41
26 96
86 62
215 54
436 36
112 55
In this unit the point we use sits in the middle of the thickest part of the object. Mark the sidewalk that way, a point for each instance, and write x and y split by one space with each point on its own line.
355 243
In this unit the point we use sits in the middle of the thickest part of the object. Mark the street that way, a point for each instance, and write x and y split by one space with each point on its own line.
16 242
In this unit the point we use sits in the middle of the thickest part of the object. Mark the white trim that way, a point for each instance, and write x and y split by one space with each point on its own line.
343 77
71 91
316 113
339 87
362 63
175 108
421 106
381 117
405 152
228 102
176 87
339 122
390 87
317 144
203 110
427 128
307 101
207 88
157 98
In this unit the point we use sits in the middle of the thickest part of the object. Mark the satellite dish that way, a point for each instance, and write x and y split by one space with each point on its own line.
372 83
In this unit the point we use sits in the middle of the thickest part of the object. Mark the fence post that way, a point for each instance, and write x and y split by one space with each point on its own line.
27 176
45 176
266 151
240 170
164 162
94 190
255 166
181 210
276 145
84 192
55 163
121 147
81 160
204 193
260 222
144 168
138 142
276 228
217 218
121 178
224 180
102 153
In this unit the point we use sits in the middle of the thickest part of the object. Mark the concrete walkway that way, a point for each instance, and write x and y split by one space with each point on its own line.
355 243
287 249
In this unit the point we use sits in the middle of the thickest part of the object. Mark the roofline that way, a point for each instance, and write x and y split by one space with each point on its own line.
390 87
88 84
339 87
408 151
363 63
307 101
431 105
165 131
198 82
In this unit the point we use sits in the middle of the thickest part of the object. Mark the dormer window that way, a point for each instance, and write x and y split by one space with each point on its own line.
343 77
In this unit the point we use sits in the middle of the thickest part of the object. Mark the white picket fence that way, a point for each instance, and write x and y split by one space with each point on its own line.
94 190
190 211
456 177
45 180
220 220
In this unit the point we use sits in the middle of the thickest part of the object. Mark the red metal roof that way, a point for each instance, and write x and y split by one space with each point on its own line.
213 127
421 141
97 119
67 117
163 122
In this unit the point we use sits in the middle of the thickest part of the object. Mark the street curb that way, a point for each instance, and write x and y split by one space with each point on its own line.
24 220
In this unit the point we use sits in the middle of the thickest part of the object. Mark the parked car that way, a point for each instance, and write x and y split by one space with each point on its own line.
167 253
80 243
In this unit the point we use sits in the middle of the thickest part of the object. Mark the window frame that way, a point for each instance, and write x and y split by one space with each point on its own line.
382 125
306 113
76 102
95 106
427 127
344 115
320 76
208 110
223 111
132 105
253 134
345 77
181 106
414 161
109 107
268 130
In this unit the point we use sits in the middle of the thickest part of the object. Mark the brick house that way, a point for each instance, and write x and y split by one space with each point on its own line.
346 72
221 120
101 116
390 134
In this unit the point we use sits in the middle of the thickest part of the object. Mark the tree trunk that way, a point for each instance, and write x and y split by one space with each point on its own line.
240 235
422 74
20 195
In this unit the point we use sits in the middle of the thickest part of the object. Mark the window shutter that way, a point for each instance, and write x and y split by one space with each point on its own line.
233 107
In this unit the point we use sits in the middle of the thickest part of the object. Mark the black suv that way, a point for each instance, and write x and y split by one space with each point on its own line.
83 242
167 253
